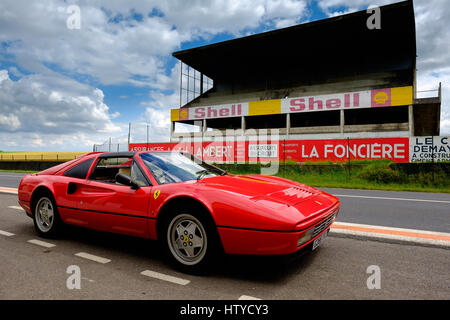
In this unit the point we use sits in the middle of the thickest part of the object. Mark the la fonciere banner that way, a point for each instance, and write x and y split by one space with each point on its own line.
336 150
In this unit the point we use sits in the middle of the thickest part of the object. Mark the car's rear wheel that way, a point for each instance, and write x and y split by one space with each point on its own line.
190 241
45 216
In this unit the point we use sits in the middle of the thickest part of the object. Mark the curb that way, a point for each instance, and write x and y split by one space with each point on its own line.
390 234
8 190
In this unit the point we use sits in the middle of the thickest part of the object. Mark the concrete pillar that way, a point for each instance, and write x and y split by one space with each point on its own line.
243 125
411 121
172 129
288 124
342 121
204 128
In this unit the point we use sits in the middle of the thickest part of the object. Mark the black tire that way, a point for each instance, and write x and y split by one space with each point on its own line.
47 221
190 240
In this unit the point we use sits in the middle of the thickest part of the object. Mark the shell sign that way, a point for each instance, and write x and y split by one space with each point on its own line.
184 114
387 97
381 98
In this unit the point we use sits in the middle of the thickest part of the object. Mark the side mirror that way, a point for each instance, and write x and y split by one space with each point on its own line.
126 180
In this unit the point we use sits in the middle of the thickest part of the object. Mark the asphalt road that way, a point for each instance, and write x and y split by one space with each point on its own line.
411 210
336 270
10 179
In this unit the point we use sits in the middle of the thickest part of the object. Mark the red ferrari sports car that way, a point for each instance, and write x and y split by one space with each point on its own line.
195 209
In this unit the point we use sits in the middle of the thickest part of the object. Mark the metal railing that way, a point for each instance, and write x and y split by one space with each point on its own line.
40 156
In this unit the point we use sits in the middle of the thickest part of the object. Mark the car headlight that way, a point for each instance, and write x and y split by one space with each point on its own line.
305 237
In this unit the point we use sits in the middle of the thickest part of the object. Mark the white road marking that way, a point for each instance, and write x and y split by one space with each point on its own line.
42 243
244 297
388 198
6 233
165 277
92 257
16 207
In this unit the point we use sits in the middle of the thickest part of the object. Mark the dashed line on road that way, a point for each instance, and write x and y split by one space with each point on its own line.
92 257
409 235
16 207
165 277
388 198
6 233
244 297
42 243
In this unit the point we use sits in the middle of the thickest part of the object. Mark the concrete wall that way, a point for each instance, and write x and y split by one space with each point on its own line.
27 165
368 82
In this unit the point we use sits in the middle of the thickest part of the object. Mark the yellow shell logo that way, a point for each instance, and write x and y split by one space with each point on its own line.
381 97
156 194
183 114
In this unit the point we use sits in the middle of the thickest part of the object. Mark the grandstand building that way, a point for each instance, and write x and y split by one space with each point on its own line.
319 85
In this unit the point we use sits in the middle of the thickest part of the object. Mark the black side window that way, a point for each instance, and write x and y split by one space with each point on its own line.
80 170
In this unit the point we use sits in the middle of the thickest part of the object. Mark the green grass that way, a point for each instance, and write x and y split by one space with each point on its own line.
372 175
18 171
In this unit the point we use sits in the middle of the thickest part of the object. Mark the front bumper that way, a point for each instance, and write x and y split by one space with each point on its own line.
267 242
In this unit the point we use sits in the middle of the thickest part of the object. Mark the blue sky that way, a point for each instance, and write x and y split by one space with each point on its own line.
64 89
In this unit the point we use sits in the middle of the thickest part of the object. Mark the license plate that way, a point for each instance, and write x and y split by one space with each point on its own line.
319 240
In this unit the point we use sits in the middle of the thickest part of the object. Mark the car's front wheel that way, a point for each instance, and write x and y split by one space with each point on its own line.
190 240
45 216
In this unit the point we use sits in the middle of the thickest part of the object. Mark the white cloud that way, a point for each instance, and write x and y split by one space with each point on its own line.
113 47
120 43
38 106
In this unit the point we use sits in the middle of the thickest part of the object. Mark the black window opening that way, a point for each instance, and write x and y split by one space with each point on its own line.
272 121
224 123
79 171
379 115
315 119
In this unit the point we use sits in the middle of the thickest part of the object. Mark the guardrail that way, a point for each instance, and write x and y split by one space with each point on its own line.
40 156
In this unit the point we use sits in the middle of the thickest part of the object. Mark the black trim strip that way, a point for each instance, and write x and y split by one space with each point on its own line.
113 213
262 230
24 200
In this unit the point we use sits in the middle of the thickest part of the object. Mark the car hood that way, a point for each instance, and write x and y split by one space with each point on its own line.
257 187
283 204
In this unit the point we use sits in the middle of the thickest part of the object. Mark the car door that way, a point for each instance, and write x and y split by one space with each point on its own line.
113 207
66 195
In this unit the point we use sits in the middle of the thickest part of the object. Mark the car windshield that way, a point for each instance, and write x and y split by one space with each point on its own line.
171 167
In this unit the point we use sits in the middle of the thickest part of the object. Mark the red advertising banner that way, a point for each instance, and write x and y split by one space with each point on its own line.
335 150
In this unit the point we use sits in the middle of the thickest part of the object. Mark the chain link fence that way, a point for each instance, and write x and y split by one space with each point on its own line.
110 147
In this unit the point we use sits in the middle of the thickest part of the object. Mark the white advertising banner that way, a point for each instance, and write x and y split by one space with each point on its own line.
263 150
214 112
337 101
425 149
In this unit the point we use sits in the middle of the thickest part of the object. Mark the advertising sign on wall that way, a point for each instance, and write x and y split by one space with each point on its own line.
388 97
424 149
336 150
